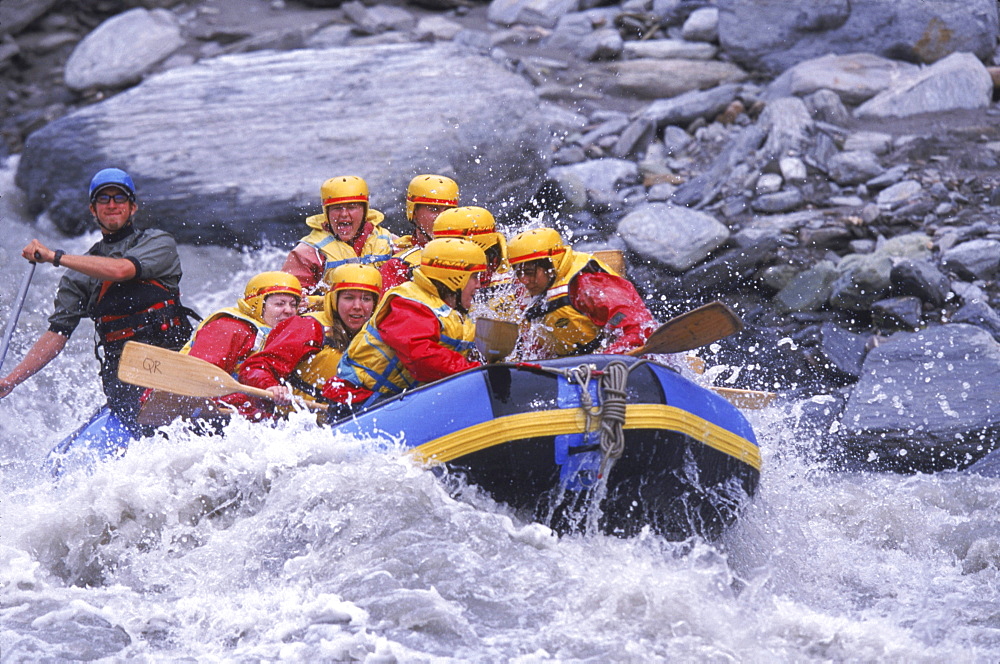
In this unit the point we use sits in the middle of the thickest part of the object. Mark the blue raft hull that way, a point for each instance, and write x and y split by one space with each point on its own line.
103 437
690 459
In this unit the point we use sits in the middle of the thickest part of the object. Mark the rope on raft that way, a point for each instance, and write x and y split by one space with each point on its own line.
610 414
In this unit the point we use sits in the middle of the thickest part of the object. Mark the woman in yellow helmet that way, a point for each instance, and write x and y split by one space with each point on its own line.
303 352
230 335
420 332
348 231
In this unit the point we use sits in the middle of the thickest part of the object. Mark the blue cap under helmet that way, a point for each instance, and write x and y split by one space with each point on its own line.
112 177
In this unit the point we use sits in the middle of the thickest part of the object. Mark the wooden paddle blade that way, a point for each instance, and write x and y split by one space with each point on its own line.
495 339
746 399
163 369
693 329
613 258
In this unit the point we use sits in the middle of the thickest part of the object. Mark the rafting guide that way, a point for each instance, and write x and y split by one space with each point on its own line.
128 283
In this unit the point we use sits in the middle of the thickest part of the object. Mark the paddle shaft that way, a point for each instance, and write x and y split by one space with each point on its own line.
16 311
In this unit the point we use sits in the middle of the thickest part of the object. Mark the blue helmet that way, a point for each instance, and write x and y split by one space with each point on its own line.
109 177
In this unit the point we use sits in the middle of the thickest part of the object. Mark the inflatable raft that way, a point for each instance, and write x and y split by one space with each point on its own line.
604 441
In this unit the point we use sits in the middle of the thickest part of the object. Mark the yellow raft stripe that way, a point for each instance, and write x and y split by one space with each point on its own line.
571 420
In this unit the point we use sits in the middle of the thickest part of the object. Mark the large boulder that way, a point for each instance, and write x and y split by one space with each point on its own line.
926 400
385 113
773 35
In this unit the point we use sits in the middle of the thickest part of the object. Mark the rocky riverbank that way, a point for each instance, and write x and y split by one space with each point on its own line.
839 190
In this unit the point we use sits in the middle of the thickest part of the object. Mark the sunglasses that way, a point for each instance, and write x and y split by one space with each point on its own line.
526 269
104 199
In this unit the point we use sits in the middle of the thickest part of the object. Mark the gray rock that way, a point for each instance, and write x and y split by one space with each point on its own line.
733 268
545 13
15 15
570 29
379 18
123 49
861 280
975 259
774 36
702 25
876 142
888 178
634 139
920 278
675 236
473 120
656 79
826 106
685 108
980 314
897 313
792 169
597 181
854 78
436 28
669 49
782 201
926 400
601 44
898 194
845 351
854 167
960 81
675 139
809 290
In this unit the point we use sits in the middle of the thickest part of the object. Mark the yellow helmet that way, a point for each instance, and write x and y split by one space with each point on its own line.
430 190
262 285
470 222
344 189
451 261
535 244
351 276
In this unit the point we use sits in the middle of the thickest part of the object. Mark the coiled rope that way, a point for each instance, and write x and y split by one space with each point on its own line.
610 414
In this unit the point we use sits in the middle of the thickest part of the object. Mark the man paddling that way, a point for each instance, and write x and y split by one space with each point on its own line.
128 283
580 304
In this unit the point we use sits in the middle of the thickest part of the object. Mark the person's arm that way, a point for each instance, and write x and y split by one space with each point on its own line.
303 262
48 346
613 304
413 331
394 272
285 347
224 342
98 267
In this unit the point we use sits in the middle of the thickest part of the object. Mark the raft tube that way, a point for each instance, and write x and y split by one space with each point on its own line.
690 459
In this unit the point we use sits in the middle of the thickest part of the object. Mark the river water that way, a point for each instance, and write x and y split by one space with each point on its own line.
290 544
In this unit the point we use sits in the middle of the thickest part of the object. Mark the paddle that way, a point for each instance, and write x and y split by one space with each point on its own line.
696 328
495 339
613 258
168 370
746 399
16 312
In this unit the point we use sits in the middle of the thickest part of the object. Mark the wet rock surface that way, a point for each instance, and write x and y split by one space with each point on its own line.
842 197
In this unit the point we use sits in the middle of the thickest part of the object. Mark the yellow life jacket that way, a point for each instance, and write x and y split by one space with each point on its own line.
561 329
376 250
311 374
371 363
261 331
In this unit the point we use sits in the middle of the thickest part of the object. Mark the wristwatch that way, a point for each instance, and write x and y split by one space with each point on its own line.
58 257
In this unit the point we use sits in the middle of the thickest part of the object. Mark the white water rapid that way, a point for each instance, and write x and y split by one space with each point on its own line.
290 544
